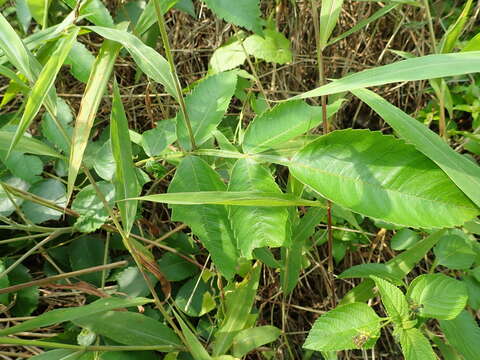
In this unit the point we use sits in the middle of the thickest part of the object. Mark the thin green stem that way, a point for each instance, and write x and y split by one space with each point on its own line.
178 88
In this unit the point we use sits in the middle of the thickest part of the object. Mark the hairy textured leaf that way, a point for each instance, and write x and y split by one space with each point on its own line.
206 106
96 86
256 227
394 301
381 177
415 345
68 314
146 58
244 13
129 328
438 296
126 183
43 84
209 222
342 327
282 123
461 170
420 68
463 333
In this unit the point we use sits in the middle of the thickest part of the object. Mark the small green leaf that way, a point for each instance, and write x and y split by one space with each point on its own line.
126 183
257 227
245 13
209 222
437 296
206 106
131 281
273 47
129 328
90 207
52 190
194 298
381 177
455 250
176 268
415 345
228 56
351 326
51 130
155 141
366 270
250 339
6 206
81 61
394 301
26 300
463 334
68 314
404 239
95 11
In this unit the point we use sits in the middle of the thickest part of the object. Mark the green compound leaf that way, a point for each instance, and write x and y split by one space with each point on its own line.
244 13
437 296
381 177
351 326
257 227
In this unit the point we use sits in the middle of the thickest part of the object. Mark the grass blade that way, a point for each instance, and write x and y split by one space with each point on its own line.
96 86
328 19
43 85
421 68
126 183
463 172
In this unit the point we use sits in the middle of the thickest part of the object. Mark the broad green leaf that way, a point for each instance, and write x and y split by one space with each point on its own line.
257 227
90 207
206 106
415 345
26 167
293 256
463 333
43 84
381 177
102 160
129 328
68 314
351 326
245 13
282 123
228 56
6 206
403 239
420 68
437 296
126 183
39 10
250 339
52 190
238 198
394 301
26 300
95 11
155 141
146 58
238 306
455 30
209 222
59 354
131 282
194 298
329 14
27 145
461 170
455 250
176 268
85 252
272 46
81 61
96 86
51 130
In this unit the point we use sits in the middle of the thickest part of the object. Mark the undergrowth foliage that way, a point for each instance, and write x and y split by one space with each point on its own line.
165 240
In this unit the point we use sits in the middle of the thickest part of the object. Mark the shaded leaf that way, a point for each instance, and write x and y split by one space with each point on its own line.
52 190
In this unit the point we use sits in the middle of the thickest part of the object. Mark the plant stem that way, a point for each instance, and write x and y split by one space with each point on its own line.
178 88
